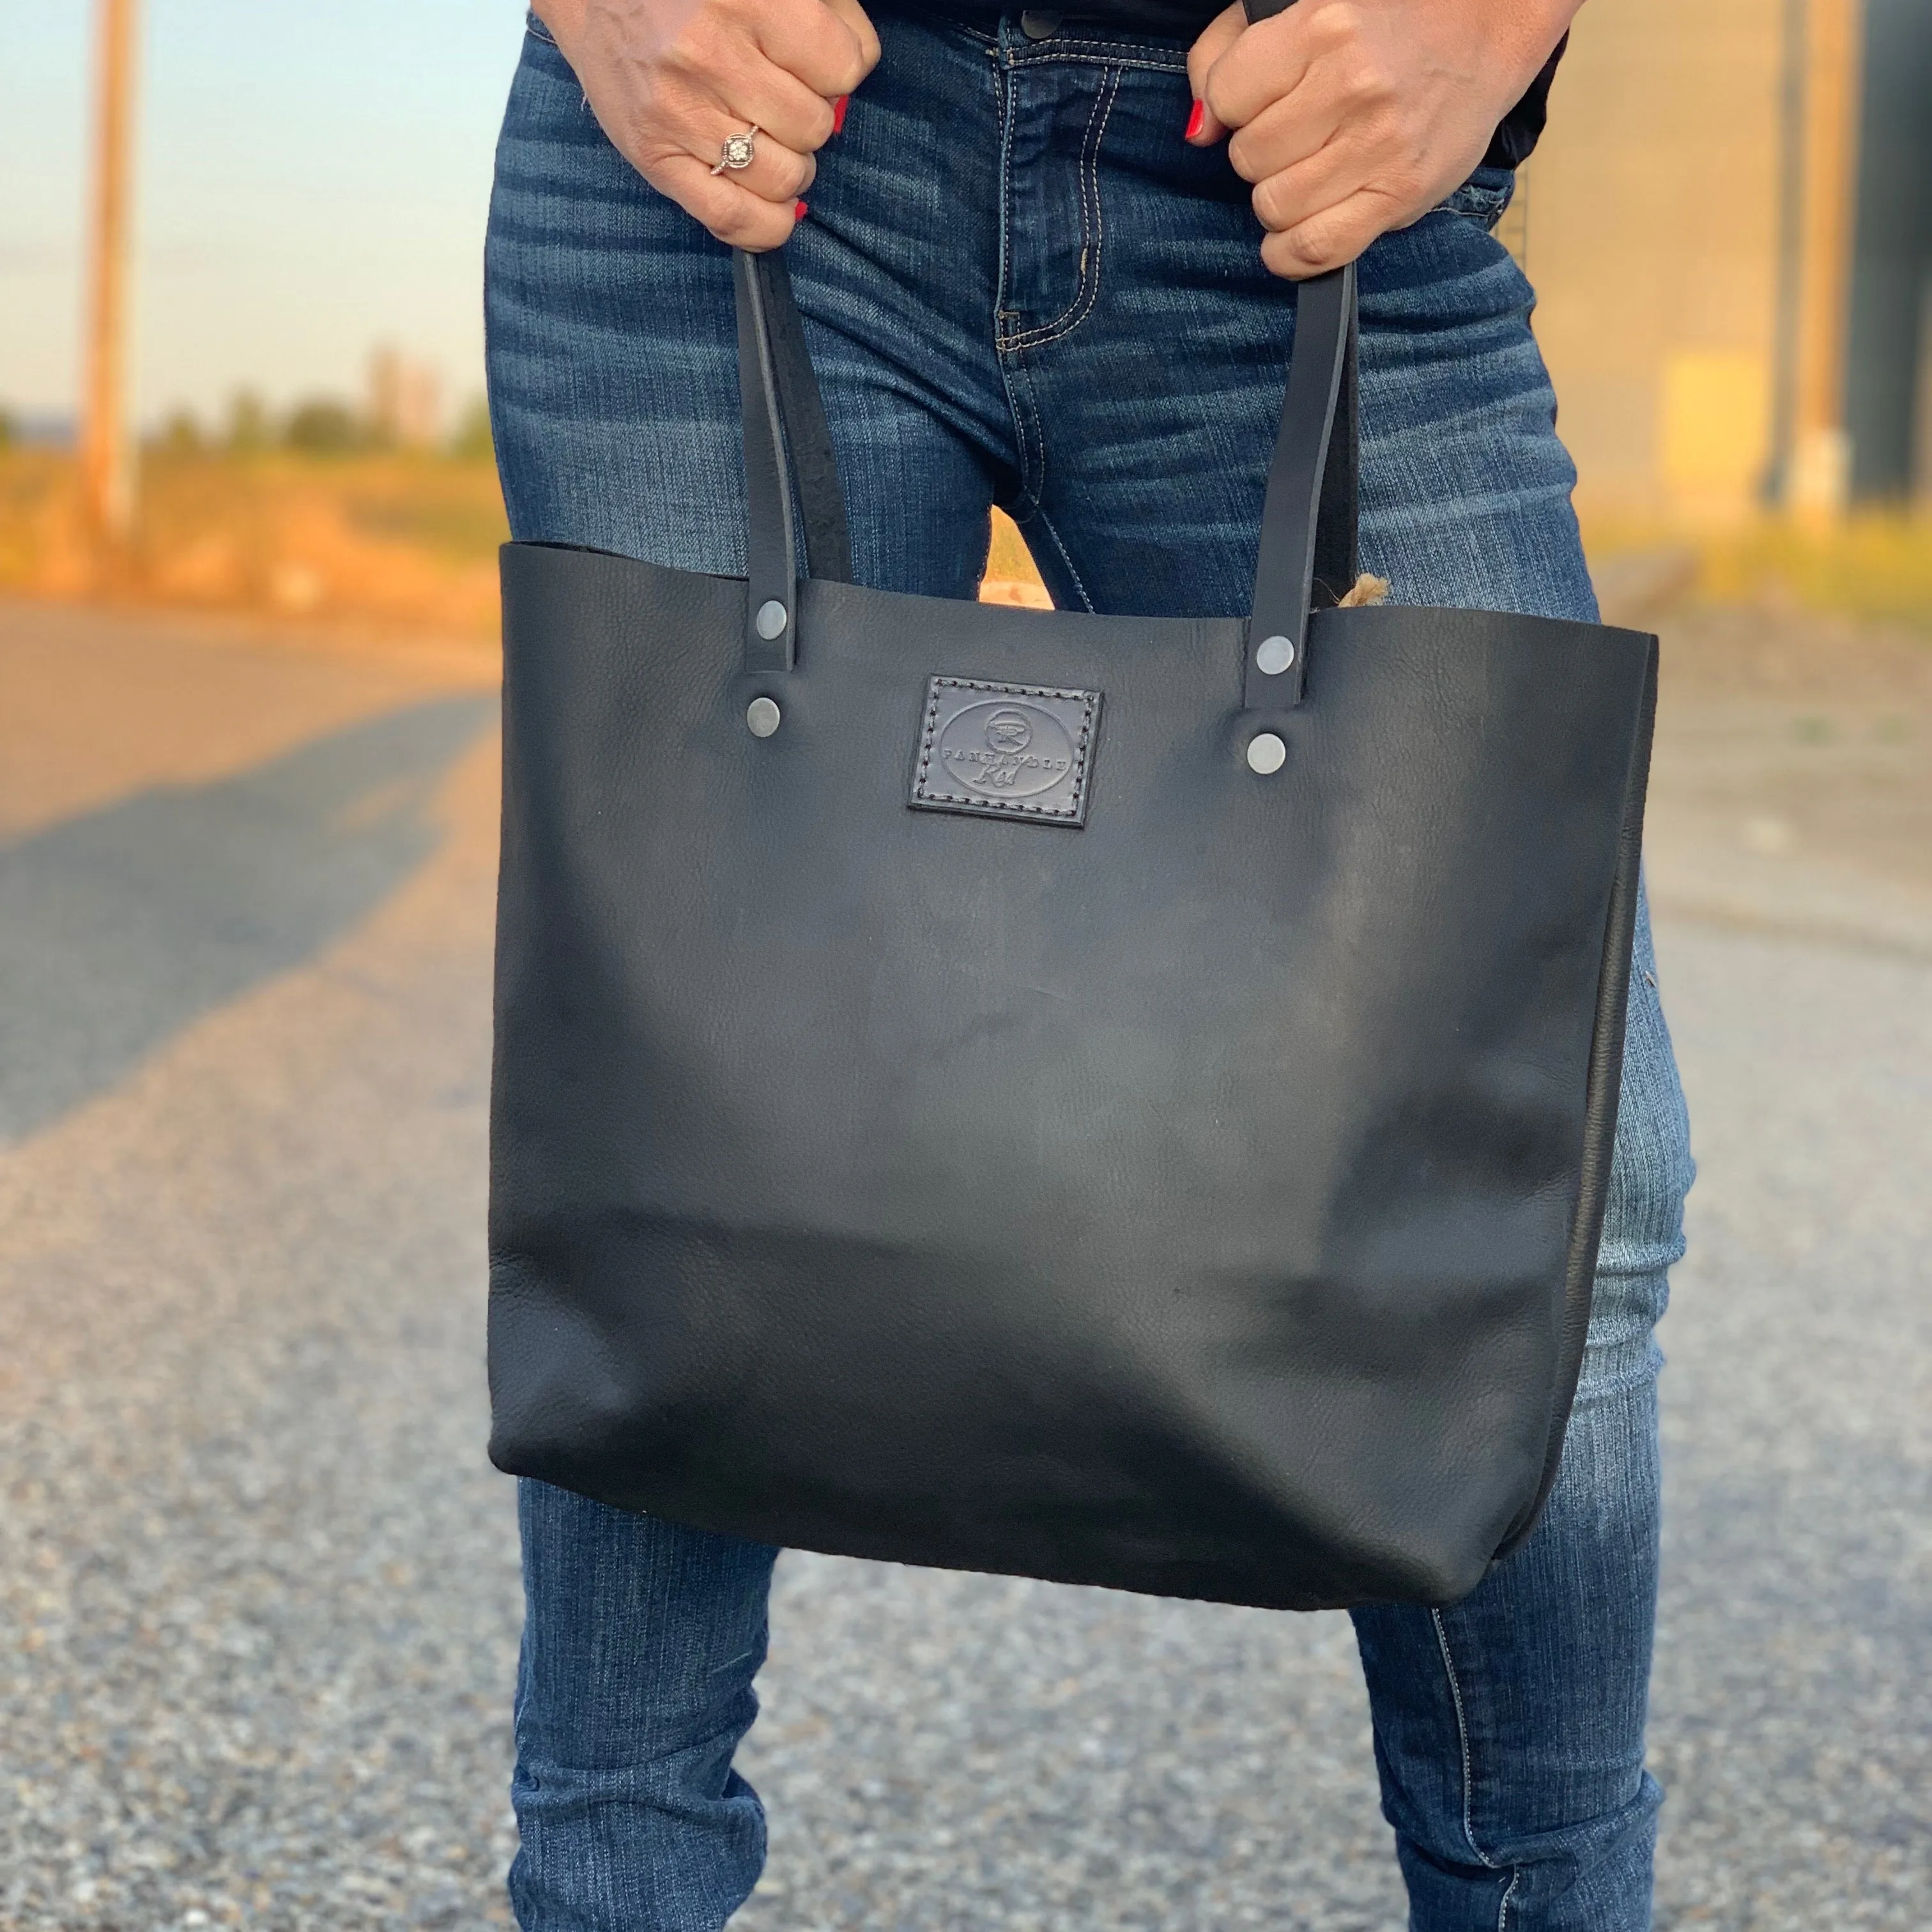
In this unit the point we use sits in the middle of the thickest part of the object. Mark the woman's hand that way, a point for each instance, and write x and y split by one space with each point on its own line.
1353 117
668 80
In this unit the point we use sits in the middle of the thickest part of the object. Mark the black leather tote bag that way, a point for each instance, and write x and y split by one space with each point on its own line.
1126 1100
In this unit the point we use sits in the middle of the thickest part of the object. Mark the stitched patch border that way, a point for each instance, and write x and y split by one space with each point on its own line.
1005 750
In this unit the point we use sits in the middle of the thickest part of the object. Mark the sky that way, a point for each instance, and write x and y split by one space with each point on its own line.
312 180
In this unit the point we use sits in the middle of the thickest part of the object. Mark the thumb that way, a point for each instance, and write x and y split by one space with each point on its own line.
1216 38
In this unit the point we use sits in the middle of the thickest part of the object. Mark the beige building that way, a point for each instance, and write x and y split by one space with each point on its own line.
1729 227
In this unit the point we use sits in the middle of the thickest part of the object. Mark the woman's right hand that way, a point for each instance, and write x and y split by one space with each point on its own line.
668 80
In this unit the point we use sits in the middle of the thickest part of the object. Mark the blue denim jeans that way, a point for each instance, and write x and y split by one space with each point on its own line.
1022 287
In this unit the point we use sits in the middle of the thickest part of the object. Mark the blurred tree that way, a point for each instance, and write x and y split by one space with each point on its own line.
248 421
180 433
323 426
471 442
9 429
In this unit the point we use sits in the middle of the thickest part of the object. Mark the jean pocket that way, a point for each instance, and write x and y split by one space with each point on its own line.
537 30
1484 198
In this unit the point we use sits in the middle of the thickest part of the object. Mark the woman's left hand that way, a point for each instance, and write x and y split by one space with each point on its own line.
1353 117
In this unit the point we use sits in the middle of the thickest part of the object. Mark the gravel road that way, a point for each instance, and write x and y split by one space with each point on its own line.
258 1601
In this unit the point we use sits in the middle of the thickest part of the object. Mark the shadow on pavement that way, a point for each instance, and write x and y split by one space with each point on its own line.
120 927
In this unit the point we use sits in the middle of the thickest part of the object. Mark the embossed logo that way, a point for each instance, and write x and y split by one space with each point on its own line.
1017 751
1005 750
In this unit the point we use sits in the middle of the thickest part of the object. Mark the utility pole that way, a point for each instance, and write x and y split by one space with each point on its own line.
1821 453
1818 146
106 458
1794 32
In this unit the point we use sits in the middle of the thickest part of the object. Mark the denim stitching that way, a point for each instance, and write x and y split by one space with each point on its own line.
1003 278
1101 53
1485 216
1089 290
1016 380
1503 1912
537 31
1031 53
1113 53
1463 1736
1046 523
1484 205
1082 306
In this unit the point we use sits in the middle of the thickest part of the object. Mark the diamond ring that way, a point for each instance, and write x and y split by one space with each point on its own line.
737 152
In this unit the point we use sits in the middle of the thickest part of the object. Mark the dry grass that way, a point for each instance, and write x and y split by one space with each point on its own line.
410 540
406 539
1874 564
1877 564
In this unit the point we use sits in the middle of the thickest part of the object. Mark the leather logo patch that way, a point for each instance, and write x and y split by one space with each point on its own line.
1009 751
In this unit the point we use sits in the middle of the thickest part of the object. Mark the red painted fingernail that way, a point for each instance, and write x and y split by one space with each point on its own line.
839 108
798 211
1198 114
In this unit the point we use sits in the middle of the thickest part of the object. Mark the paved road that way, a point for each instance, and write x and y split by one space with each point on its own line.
257 1593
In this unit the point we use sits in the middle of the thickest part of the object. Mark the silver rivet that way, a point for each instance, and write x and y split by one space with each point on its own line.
1266 753
1275 655
762 716
771 619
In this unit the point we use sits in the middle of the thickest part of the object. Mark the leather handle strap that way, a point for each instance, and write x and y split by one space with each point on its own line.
1307 551
786 435
1307 546
771 542
1308 558
828 542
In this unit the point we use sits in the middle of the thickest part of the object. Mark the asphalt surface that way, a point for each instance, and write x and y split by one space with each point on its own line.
258 1599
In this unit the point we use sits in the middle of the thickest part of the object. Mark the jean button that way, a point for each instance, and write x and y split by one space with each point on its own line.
1039 26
